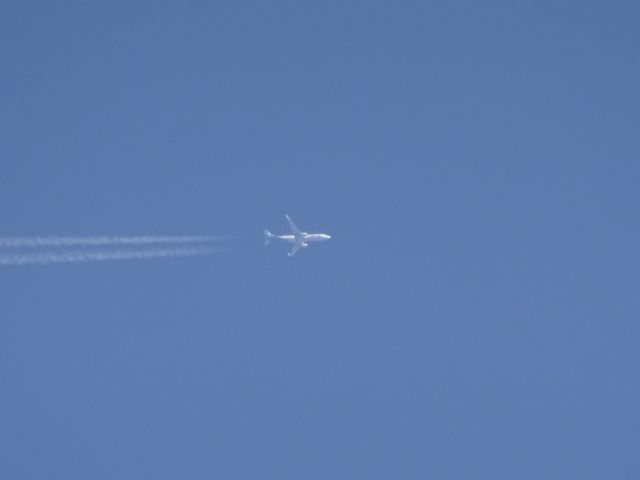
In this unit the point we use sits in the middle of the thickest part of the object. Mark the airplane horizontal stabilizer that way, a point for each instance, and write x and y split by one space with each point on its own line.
267 237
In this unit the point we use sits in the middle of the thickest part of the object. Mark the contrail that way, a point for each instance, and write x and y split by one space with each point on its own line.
21 242
46 258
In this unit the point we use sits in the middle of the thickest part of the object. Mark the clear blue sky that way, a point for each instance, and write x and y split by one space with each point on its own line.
476 314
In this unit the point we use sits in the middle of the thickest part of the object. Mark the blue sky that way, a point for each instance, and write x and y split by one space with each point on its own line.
475 315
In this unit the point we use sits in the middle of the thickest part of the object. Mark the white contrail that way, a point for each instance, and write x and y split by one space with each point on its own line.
46 258
20 242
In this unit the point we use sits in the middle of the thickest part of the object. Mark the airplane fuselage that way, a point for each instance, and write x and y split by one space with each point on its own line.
305 238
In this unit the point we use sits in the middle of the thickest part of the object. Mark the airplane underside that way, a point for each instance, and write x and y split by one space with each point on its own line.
298 238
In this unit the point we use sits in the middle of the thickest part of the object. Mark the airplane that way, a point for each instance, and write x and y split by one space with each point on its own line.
298 238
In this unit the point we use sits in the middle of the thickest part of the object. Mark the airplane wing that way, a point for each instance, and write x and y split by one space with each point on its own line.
294 250
295 230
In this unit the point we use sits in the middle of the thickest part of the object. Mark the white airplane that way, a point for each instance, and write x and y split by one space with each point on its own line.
298 238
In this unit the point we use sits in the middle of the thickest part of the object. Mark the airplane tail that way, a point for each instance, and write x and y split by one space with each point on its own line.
267 237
